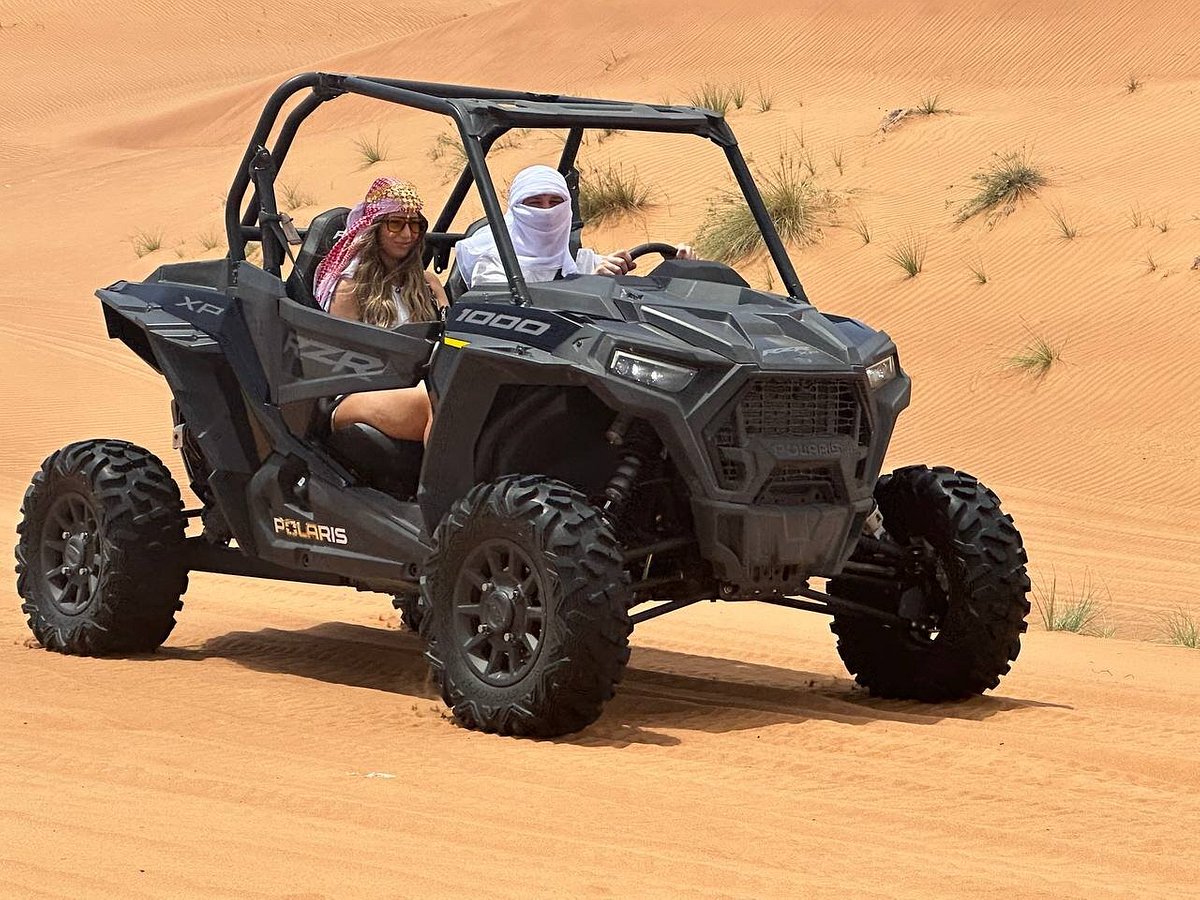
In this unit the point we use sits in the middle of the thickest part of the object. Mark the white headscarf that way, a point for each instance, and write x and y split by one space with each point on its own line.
541 237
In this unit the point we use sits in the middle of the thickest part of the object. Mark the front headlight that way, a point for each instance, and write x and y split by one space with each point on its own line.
880 373
651 372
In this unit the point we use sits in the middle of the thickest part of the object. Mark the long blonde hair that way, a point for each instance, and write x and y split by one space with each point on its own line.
377 282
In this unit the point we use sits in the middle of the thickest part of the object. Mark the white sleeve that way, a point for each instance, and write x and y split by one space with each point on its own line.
487 269
587 259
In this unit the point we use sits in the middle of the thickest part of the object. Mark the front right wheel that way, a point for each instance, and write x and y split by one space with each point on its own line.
525 598
960 584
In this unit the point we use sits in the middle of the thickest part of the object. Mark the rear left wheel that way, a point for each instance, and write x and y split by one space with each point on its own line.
100 550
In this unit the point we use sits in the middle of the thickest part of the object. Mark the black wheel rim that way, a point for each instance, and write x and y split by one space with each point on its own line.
70 553
938 583
499 611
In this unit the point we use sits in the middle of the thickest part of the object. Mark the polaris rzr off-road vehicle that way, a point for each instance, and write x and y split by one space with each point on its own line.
604 450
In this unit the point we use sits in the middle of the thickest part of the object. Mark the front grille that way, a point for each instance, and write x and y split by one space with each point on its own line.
793 407
732 471
793 486
803 407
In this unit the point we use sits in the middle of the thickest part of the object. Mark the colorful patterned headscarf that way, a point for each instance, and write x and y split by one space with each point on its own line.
385 196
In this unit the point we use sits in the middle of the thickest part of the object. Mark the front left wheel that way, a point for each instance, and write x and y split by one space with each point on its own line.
526 598
100 550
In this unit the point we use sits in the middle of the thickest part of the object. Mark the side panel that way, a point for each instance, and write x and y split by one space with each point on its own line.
308 354
223 355
305 522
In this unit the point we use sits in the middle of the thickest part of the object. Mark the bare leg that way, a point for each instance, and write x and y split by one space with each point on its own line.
403 413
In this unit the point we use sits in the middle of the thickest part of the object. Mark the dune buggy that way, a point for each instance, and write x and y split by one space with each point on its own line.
604 450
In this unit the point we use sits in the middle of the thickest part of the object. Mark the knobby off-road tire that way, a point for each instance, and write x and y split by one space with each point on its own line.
526 599
982 562
113 584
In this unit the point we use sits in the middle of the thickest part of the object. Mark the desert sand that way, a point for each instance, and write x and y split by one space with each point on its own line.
287 741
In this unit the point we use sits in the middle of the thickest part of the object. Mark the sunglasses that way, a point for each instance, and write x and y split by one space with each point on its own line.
399 226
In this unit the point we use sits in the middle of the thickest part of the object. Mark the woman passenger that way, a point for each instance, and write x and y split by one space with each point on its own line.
375 273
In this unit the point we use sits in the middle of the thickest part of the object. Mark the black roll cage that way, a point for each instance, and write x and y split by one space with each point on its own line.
482 115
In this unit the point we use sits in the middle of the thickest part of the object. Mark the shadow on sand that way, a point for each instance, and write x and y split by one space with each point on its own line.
662 689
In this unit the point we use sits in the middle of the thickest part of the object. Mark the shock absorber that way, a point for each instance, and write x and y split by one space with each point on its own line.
636 443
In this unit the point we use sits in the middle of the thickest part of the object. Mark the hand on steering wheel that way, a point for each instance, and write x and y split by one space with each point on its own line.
624 261
667 251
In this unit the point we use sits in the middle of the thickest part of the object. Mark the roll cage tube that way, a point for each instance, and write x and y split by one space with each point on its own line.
475 158
483 115
324 89
766 227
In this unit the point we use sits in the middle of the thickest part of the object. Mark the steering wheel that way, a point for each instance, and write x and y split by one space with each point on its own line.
667 251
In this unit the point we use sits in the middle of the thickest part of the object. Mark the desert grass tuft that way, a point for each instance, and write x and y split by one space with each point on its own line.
295 197
1068 608
712 96
509 141
909 254
208 239
371 150
1135 216
929 106
611 193
977 269
1066 228
1161 222
799 208
448 152
1181 628
603 134
861 227
806 159
766 99
1010 178
443 144
1151 265
839 155
146 242
1036 358
737 95
1132 83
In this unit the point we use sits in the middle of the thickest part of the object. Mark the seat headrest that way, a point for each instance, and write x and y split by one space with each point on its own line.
321 235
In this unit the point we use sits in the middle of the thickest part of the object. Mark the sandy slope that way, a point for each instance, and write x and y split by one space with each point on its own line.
727 762
309 757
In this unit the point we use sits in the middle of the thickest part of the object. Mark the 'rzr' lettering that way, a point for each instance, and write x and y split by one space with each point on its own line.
337 359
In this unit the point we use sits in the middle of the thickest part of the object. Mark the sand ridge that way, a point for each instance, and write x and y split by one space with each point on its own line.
737 756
